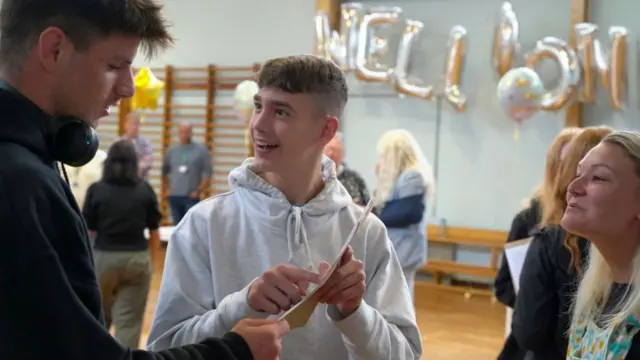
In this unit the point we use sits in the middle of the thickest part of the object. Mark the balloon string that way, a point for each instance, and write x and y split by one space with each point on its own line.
516 134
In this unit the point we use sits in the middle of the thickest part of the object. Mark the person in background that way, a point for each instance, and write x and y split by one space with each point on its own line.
350 179
405 185
117 210
552 265
604 207
143 145
187 170
80 178
523 225
254 251
63 63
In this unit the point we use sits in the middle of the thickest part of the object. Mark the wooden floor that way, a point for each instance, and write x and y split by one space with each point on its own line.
452 327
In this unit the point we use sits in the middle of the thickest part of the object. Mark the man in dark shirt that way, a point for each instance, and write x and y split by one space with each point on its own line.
62 58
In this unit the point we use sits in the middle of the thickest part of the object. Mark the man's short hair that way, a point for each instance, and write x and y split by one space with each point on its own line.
308 74
83 21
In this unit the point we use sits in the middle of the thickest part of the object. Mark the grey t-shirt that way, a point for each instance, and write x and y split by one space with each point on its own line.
186 165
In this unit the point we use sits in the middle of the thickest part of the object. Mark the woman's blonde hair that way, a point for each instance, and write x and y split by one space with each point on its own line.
398 151
595 286
555 202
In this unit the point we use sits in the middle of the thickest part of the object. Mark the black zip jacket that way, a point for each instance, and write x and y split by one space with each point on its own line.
49 296
541 318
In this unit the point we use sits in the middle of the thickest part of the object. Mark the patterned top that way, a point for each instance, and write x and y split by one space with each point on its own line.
591 342
145 153
354 184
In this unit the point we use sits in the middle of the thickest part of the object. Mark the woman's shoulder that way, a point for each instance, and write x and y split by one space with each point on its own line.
411 176
551 241
552 235
146 187
530 214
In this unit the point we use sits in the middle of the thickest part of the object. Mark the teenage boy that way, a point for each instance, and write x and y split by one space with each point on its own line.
252 252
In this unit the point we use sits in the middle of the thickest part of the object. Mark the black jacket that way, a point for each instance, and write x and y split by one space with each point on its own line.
522 226
50 301
541 318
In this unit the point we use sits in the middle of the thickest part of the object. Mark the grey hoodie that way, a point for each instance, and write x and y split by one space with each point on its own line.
225 242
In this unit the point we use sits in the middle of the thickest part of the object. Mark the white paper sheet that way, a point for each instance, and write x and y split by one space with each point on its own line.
516 252
299 315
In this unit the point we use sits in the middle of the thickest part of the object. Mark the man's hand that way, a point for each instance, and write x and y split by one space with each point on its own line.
263 337
346 286
280 288
195 195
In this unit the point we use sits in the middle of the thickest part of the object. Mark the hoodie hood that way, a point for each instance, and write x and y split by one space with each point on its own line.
271 208
23 123
333 196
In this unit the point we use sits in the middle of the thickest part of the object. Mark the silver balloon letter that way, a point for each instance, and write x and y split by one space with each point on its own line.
323 36
374 18
453 72
343 45
401 73
505 40
566 58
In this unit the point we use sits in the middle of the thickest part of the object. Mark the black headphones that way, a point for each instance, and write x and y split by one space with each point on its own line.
70 140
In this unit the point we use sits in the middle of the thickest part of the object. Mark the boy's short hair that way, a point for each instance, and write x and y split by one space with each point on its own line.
83 21
308 74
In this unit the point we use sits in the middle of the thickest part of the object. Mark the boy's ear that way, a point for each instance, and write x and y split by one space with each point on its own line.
330 128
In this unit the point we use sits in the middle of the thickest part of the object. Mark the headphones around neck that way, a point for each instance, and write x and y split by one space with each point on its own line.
70 140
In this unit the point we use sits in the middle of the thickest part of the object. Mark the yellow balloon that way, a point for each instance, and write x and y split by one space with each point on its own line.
148 90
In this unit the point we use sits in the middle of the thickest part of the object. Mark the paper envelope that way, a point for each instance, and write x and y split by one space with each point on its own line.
299 315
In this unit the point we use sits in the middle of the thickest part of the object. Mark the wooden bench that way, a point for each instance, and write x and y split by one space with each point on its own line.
491 240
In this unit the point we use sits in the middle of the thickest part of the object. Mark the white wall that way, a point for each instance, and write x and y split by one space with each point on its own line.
237 32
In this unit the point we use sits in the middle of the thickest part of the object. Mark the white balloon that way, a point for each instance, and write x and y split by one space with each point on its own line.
520 93
243 99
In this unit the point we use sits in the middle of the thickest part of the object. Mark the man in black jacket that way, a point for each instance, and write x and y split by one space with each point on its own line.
62 64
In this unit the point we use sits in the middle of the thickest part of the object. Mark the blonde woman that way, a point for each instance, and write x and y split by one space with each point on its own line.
552 265
603 205
405 186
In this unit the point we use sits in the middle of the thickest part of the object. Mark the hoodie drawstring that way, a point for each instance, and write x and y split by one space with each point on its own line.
298 239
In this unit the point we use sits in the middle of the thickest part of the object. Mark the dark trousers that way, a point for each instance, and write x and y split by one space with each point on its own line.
179 206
